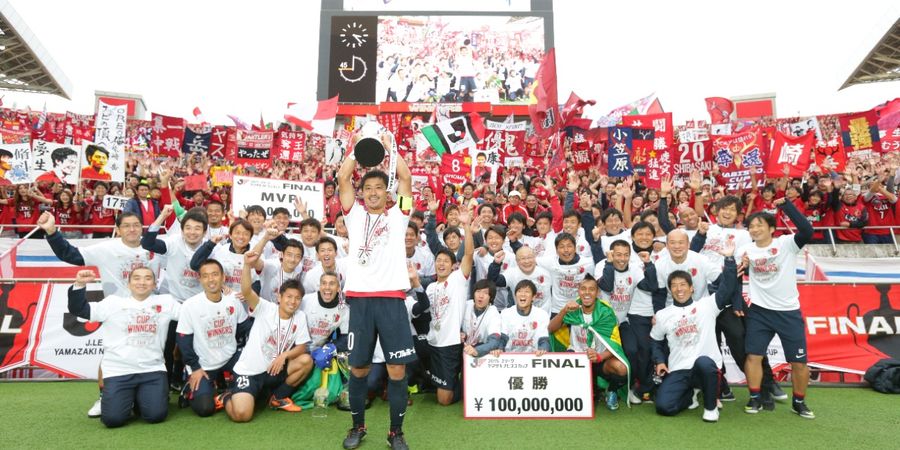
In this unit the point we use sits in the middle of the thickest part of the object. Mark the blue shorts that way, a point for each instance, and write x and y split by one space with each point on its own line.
255 384
381 318
446 364
763 324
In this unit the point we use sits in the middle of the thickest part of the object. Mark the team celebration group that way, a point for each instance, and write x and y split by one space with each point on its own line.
233 314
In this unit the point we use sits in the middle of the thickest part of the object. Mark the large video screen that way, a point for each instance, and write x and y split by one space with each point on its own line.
435 58
458 58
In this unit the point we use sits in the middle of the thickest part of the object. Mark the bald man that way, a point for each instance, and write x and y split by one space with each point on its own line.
678 256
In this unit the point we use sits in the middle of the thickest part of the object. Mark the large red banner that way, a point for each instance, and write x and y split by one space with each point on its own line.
18 314
168 135
849 327
691 156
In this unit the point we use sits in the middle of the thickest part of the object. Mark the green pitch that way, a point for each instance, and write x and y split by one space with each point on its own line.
53 415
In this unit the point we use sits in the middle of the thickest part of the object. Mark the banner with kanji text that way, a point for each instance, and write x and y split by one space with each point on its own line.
254 148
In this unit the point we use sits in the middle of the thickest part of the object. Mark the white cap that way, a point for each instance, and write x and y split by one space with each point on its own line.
515 194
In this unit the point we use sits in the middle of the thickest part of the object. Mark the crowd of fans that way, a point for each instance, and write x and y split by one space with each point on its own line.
858 202
439 64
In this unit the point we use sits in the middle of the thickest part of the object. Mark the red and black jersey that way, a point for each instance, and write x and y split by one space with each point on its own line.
881 213
98 215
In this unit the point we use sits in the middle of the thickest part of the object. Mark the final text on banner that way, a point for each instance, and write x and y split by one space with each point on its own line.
522 385
271 194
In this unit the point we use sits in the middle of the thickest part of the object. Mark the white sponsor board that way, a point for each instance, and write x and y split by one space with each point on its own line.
525 386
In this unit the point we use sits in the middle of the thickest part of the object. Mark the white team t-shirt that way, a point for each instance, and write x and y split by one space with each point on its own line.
313 278
423 260
323 320
541 279
184 283
273 276
232 264
565 279
773 273
702 270
448 302
578 337
606 241
378 265
479 328
270 336
214 326
524 332
483 264
115 261
624 287
134 332
716 237
690 332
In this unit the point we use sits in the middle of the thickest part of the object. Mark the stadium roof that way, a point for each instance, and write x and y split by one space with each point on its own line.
25 65
882 63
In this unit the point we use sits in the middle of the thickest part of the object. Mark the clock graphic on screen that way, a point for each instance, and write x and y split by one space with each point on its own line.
354 35
353 71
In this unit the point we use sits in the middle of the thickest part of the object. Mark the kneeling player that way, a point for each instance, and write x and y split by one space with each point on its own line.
593 329
135 329
524 328
276 354
207 337
481 321
688 329
447 296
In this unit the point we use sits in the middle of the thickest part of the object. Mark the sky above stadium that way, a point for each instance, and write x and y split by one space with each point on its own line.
247 58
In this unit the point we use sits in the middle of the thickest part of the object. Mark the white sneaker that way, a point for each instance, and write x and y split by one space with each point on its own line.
633 399
94 412
694 403
710 415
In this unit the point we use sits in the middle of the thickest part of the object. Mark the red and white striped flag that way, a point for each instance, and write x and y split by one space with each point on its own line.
318 118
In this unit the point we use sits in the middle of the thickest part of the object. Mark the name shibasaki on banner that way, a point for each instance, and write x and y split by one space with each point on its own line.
271 194
525 386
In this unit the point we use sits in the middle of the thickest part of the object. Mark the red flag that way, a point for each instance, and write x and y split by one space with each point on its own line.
544 111
659 165
217 142
572 111
831 157
557 161
720 109
168 135
791 152
318 118
197 113
289 145
889 115
455 168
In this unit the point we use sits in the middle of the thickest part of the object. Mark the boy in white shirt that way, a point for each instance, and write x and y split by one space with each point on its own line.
133 339
481 321
327 254
276 355
208 330
273 272
524 328
447 296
